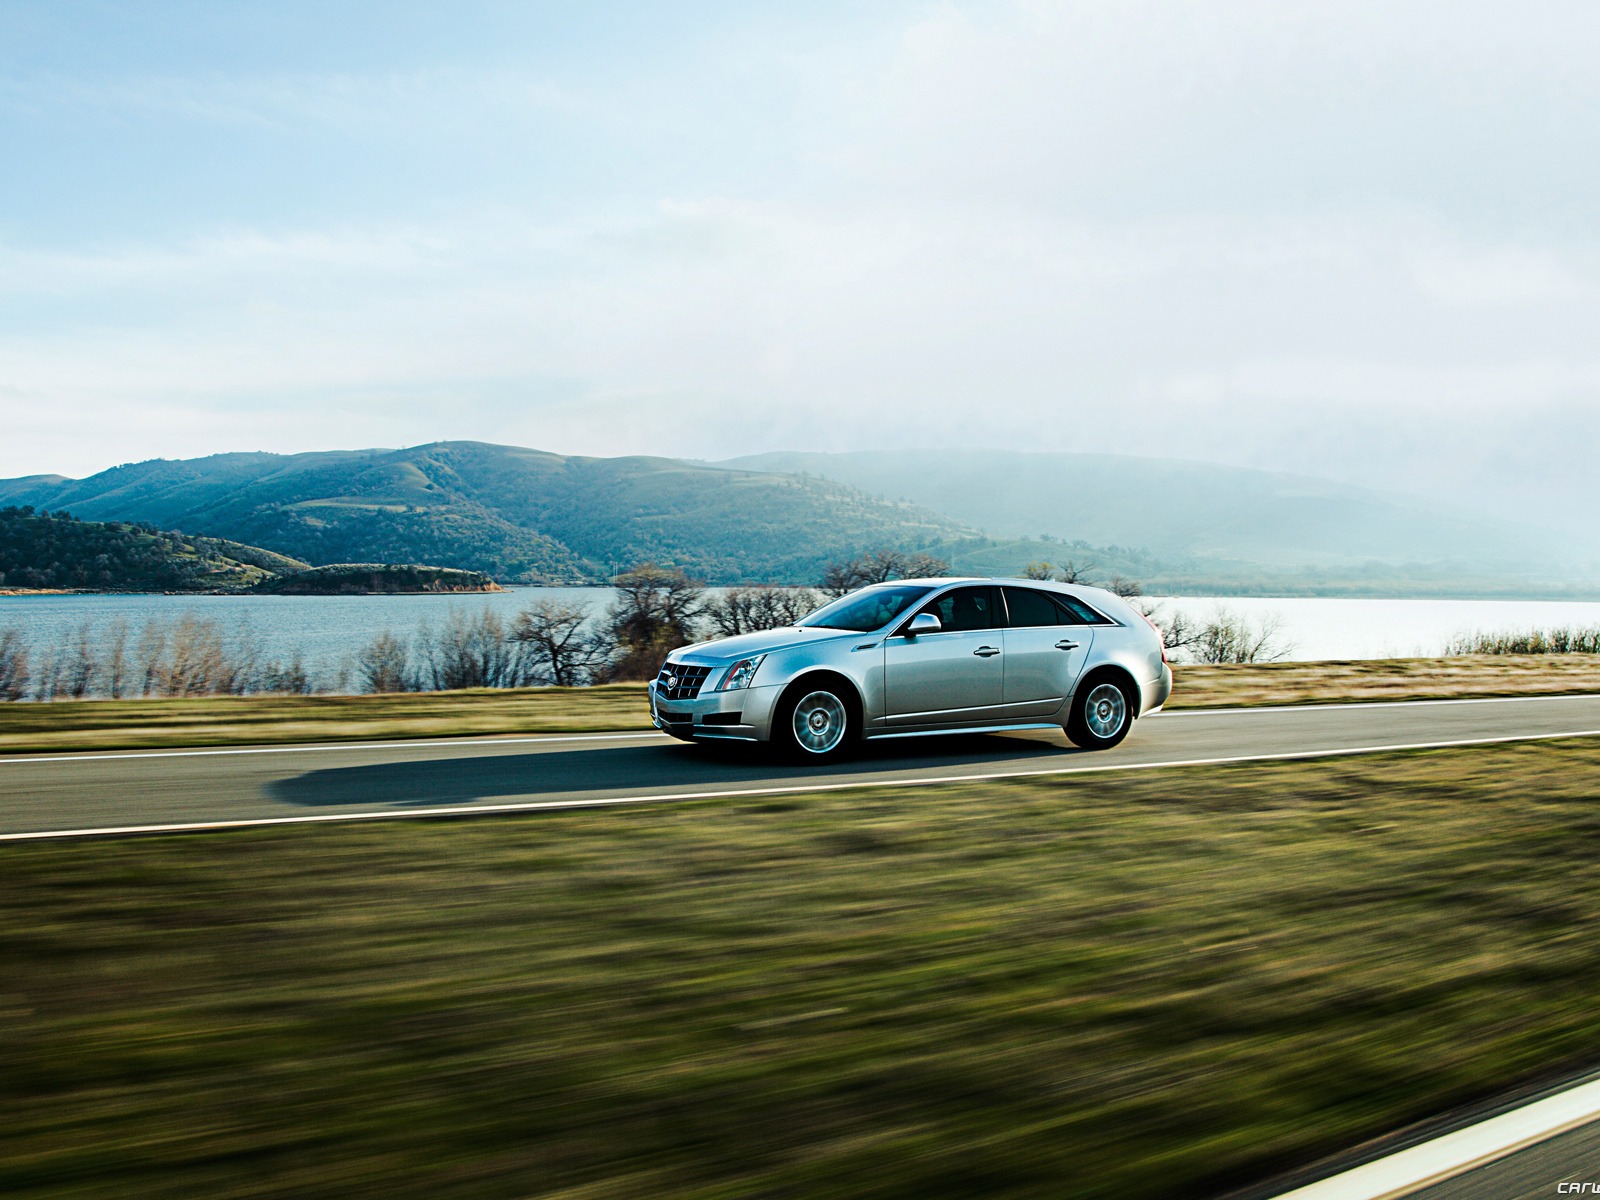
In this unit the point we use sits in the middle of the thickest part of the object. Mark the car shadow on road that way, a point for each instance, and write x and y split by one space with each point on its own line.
666 767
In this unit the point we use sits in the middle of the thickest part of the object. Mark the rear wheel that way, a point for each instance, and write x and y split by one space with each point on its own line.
1102 714
814 724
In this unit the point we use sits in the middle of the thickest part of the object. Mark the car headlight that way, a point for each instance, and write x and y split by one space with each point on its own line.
741 673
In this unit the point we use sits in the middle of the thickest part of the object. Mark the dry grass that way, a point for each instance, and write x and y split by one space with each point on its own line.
277 720
1385 679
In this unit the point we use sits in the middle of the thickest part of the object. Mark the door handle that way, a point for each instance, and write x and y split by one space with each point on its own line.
985 651
1066 644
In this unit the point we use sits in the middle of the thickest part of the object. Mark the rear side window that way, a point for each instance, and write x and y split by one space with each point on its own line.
966 608
1079 613
1030 608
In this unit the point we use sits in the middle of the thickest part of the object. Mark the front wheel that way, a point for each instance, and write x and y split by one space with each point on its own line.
1102 714
814 725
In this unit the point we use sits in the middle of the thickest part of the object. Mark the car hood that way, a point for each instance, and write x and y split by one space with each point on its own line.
748 645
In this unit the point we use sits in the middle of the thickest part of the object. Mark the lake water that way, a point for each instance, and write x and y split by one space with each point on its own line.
1314 628
327 631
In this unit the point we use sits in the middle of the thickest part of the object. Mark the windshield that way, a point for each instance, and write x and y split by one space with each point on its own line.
866 610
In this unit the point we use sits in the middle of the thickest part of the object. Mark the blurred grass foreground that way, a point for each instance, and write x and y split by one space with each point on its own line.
1153 985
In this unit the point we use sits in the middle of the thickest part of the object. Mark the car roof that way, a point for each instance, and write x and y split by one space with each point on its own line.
945 580
940 581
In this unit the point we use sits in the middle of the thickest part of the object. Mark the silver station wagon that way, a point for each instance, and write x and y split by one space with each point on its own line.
923 656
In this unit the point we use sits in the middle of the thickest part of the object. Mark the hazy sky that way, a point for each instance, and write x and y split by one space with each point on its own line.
1356 239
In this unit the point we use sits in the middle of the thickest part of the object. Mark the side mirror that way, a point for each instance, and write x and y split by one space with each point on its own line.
923 623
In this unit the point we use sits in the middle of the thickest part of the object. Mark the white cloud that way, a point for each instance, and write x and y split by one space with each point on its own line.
1499 276
783 325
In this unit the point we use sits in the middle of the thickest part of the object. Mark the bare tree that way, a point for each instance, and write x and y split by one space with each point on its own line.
385 664
1073 571
239 666
79 665
470 652
1226 638
1177 630
152 650
1230 638
752 609
922 565
186 657
655 611
1124 587
14 675
47 676
559 647
116 666
842 578
195 664
291 679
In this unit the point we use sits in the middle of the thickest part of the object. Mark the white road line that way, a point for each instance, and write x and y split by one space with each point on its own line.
321 747
1459 1152
1344 706
787 790
622 735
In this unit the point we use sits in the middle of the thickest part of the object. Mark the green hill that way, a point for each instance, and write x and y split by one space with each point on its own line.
56 550
515 514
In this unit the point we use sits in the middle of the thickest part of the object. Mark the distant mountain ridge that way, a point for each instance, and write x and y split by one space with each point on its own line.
523 515
513 513
1170 507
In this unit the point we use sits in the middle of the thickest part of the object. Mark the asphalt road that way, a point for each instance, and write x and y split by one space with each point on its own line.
114 791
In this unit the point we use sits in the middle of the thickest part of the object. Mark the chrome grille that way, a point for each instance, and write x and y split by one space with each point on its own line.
680 681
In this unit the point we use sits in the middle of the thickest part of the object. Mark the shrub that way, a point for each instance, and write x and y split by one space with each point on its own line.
1561 640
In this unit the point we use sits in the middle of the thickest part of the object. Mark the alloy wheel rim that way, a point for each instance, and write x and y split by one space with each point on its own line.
819 722
1106 710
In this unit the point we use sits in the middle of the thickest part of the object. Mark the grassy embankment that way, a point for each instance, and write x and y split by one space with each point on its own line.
146 724
1144 985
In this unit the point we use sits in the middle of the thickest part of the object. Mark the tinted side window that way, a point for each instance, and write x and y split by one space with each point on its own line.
1028 607
1078 612
966 608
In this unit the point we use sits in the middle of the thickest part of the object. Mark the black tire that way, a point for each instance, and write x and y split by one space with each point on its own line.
1102 713
815 722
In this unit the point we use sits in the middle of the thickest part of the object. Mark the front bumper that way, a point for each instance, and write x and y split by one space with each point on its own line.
742 715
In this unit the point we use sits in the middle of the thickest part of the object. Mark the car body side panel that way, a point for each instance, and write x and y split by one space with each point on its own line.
1043 663
858 657
944 677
